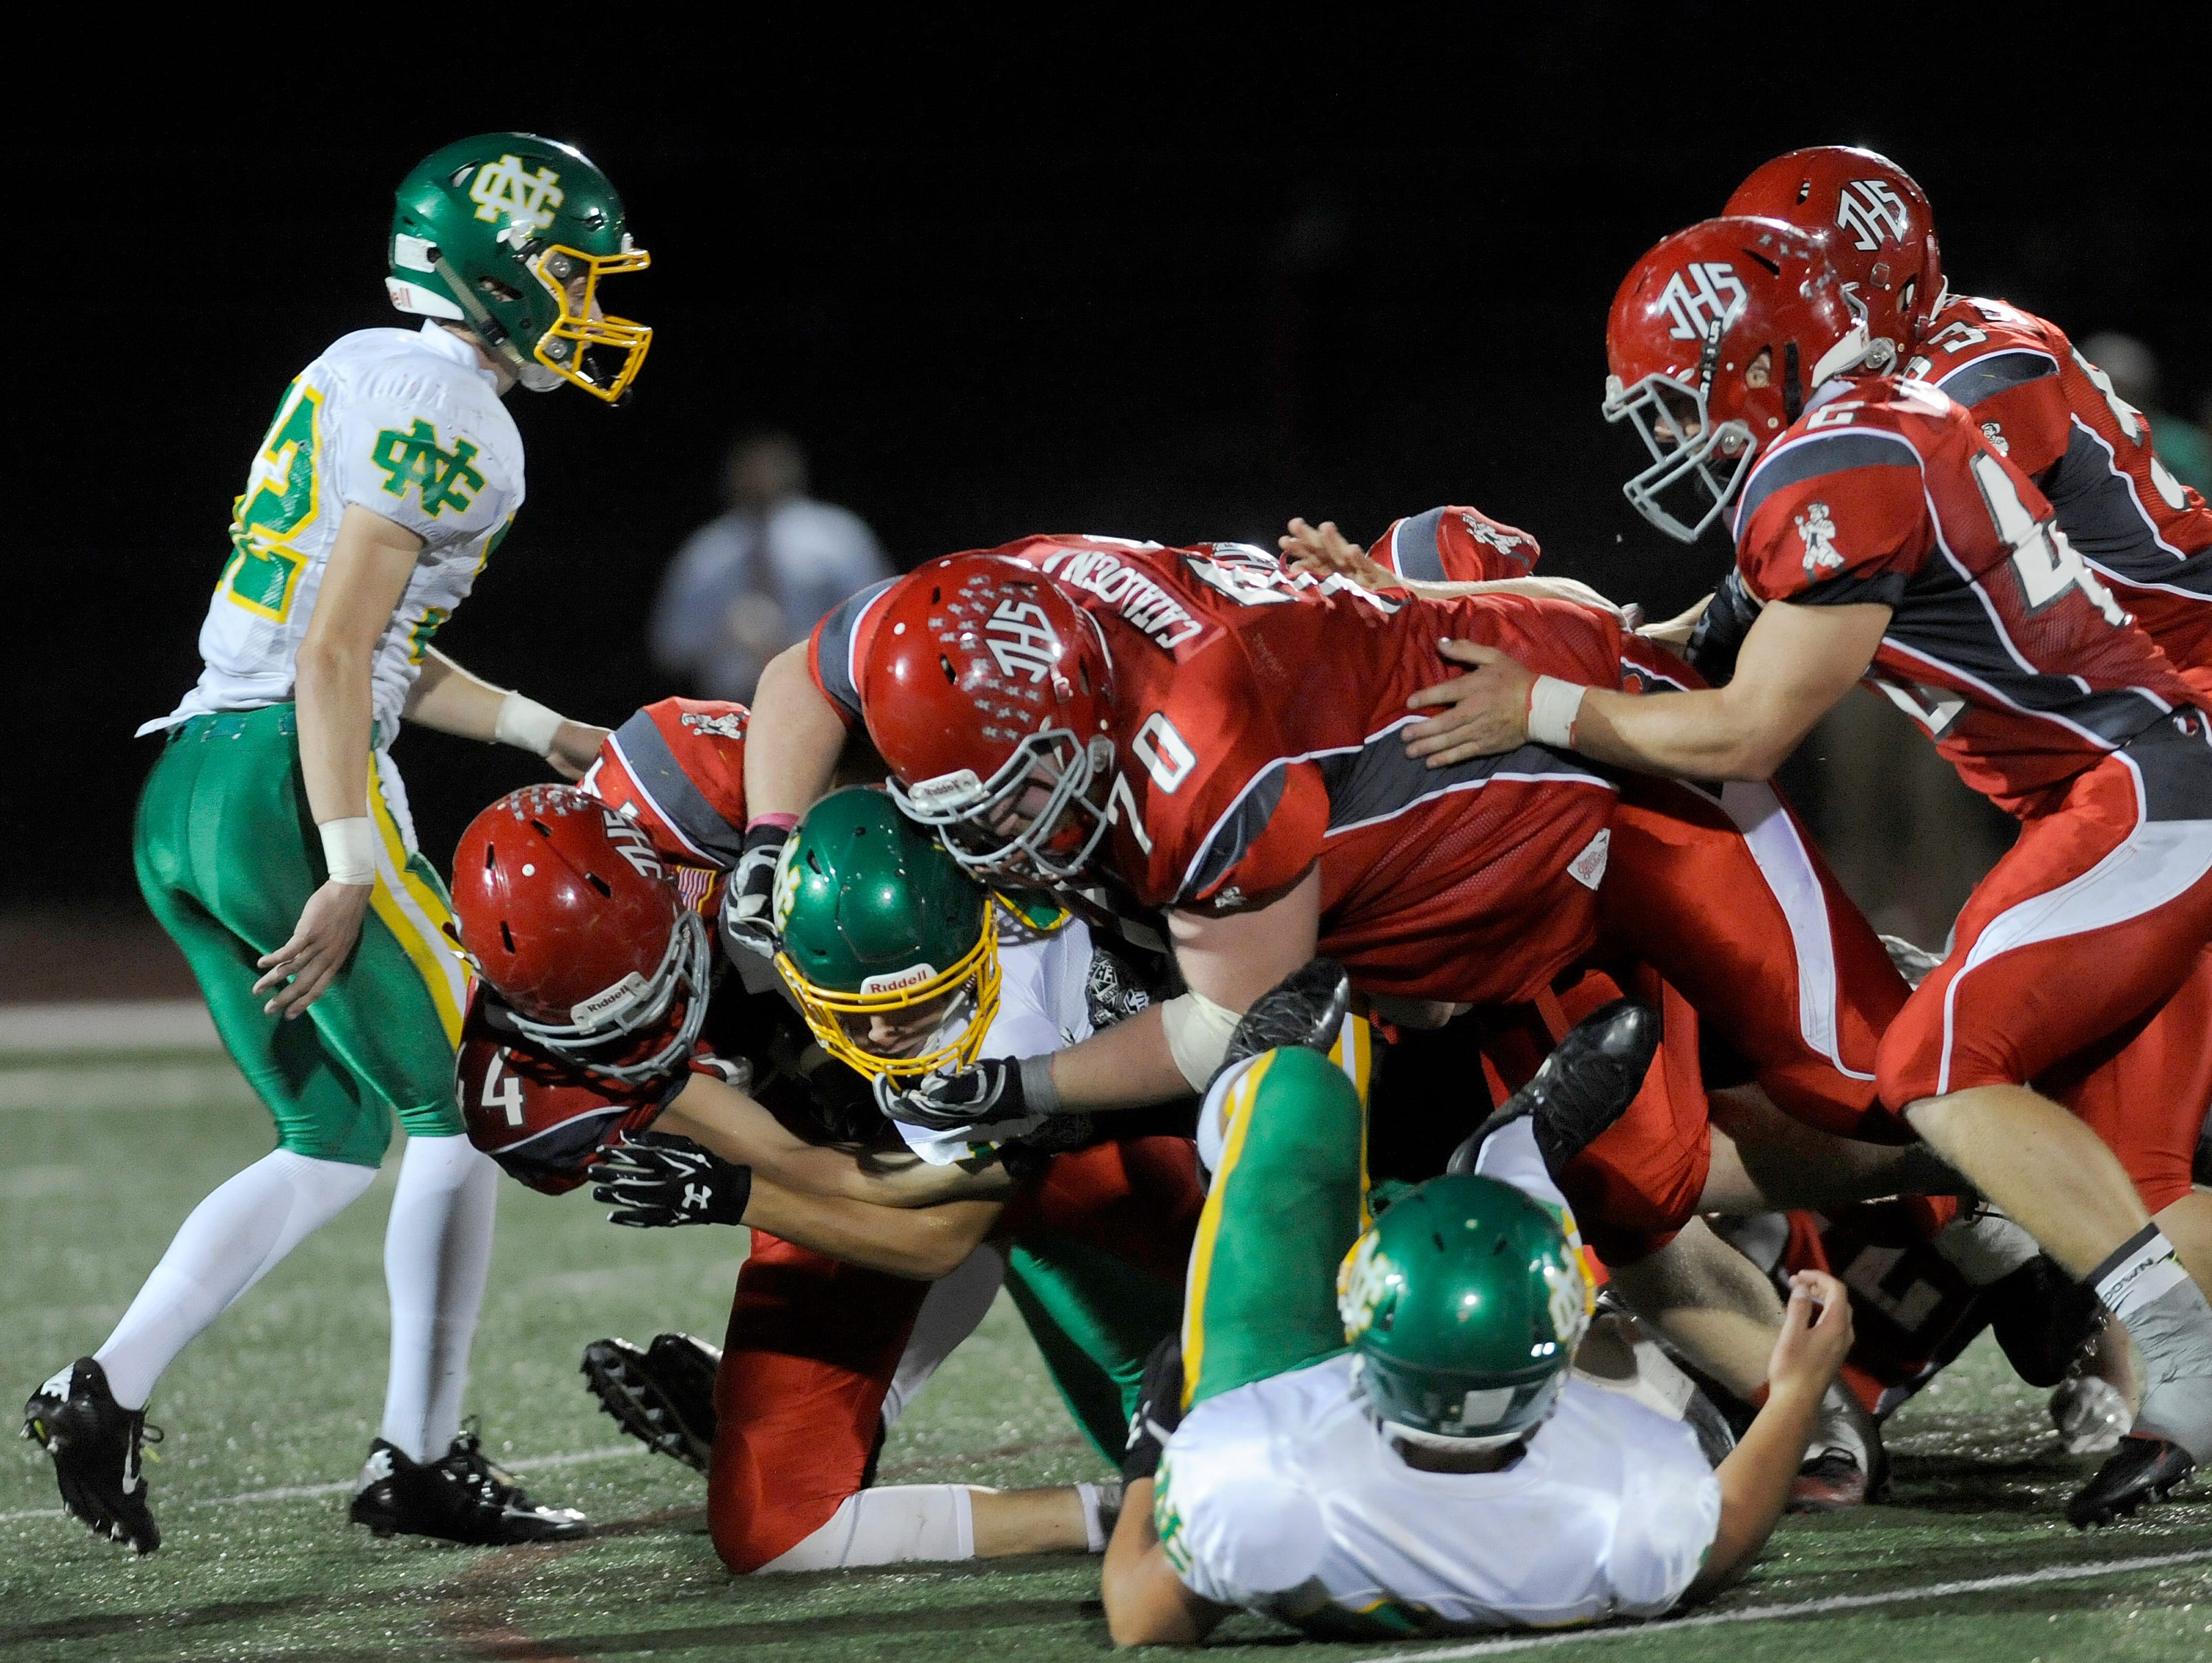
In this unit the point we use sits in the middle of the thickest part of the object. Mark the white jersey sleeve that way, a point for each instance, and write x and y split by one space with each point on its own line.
407 425
1044 978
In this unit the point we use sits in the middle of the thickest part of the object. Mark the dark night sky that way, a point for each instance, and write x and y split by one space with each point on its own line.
1184 327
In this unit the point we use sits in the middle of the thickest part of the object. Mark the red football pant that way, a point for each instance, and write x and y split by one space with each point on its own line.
813 1343
2090 921
1729 901
1638 1182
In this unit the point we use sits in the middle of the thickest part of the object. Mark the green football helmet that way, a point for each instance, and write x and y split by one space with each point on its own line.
510 235
878 918
1465 1303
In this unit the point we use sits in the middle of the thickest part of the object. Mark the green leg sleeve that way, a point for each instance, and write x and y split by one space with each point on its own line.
1286 1206
227 856
1095 1320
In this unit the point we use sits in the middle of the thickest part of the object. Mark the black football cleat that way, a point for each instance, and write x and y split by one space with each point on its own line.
97 1445
2044 1318
1583 1087
663 1396
2142 1469
1305 1008
459 1497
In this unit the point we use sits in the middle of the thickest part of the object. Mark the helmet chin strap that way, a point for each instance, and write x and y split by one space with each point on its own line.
489 329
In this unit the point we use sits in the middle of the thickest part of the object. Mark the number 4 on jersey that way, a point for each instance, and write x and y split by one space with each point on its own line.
502 1090
2045 561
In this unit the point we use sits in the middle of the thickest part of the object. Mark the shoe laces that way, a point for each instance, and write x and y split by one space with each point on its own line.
466 1461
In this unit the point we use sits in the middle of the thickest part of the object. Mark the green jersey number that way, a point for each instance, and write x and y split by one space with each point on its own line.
281 497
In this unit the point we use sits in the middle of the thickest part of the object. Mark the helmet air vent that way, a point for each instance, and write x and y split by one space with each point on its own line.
506 935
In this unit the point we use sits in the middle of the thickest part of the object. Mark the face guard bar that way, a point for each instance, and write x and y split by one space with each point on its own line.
1671 417
976 975
634 1003
565 348
967 812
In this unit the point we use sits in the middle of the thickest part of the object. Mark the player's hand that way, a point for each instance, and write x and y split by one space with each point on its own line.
1488 709
1816 1335
748 902
654 1182
576 748
1326 552
985 1097
322 940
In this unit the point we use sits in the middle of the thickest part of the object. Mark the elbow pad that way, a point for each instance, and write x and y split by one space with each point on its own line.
1718 636
1197 1031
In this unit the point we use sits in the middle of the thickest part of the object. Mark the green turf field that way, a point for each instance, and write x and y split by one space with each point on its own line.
268 1416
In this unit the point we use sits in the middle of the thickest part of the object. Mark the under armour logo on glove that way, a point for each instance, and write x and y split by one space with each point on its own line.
655 1180
985 1097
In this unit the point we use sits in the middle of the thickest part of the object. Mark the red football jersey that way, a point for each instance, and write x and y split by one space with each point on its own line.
538 1117
1257 719
2002 643
2056 415
1455 545
677 769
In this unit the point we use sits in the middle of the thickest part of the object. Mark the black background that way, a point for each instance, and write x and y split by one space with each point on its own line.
1120 294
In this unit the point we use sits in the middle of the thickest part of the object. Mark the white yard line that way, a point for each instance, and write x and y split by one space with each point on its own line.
1522 1643
344 1486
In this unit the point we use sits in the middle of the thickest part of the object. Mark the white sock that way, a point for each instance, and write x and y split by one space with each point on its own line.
889 1527
437 1252
2137 1272
231 1241
1094 1518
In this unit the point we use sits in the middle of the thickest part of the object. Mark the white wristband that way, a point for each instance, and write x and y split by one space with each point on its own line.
350 849
1553 707
526 725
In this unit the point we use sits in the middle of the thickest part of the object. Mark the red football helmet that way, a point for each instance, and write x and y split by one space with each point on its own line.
567 912
1685 344
1881 236
987 692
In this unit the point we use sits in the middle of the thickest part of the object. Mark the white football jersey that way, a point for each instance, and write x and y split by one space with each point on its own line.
1044 1006
407 424
1286 1498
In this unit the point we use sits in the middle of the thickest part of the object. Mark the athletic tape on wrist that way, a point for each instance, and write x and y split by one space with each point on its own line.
350 849
526 725
1040 1091
1553 707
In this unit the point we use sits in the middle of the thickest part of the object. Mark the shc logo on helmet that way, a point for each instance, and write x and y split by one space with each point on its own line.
1870 211
1703 293
502 185
1021 639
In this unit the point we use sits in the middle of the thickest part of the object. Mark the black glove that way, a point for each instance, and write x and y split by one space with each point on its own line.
748 901
1719 634
1159 1411
655 1180
992 1097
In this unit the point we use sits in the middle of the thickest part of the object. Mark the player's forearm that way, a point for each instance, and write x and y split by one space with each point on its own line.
1755 1480
793 741
448 698
919 1243
1128 1066
1689 736
331 692
1146 1603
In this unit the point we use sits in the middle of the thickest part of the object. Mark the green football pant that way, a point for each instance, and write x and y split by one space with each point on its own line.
228 855
1096 1319
1287 1202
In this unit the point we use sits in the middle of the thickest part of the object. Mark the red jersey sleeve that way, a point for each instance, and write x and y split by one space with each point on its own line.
839 646
677 768
1455 545
1834 516
1260 843
2005 367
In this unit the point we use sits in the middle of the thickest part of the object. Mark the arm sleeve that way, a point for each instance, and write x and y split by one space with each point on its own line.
1455 545
1834 519
838 645
2017 390
1670 1513
395 450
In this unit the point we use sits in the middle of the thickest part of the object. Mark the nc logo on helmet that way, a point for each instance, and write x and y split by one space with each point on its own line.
1870 210
1701 295
1362 1283
503 185
631 843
